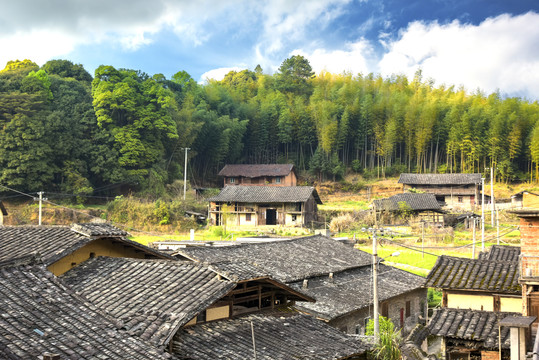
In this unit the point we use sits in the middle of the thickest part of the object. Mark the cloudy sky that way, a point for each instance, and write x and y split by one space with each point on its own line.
491 45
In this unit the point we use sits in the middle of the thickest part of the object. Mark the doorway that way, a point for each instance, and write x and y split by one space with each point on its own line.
271 217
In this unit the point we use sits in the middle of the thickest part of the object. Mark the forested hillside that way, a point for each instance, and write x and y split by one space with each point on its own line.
64 130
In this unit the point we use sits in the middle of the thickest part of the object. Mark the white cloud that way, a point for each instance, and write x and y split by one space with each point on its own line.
218 74
354 58
499 53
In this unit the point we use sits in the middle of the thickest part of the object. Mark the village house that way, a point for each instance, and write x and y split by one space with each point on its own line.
40 318
199 312
336 275
259 175
525 199
264 205
62 247
459 192
476 295
399 208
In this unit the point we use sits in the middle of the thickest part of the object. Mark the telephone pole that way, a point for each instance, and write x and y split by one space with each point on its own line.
185 174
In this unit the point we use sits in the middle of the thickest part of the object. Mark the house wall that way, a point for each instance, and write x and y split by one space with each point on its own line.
486 302
354 323
215 313
460 202
99 247
530 200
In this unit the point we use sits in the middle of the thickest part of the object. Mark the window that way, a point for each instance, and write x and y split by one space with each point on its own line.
247 217
460 200
294 217
407 308
232 180
278 180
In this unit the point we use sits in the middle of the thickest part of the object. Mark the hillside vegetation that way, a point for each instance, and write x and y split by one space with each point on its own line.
123 131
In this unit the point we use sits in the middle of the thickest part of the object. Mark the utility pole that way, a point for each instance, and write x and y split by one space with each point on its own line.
492 196
473 245
40 204
482 214
375 287
185 174
498 226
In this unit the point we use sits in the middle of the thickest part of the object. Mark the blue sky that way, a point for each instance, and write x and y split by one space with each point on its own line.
488 45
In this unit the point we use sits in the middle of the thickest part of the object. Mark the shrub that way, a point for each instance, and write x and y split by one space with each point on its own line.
341 223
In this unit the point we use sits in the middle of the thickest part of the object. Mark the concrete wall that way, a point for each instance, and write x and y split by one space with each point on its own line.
355 322
484 302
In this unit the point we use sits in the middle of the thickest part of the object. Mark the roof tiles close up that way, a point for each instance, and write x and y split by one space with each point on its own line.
256 170
39 315
152 297
266 194
277 336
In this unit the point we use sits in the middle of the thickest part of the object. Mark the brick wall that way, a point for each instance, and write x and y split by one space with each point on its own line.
529 234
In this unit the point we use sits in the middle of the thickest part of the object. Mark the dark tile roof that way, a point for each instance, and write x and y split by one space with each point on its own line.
98 230
411 349
239 271
286 261
452 273
153 298
38 314
266 194
501 253
440 179
413 201
470 326
277 336
351 290
55 242
257 170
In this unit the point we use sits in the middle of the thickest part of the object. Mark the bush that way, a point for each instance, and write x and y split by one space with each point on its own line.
341 223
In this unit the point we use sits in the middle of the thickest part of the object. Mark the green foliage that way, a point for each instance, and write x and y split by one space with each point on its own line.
388 347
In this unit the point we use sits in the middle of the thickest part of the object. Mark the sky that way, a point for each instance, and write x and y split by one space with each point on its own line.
481 45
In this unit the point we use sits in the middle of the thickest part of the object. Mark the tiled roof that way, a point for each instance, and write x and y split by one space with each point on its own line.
452 273
277 336
266 194
54 242
440 179
153 298
501 253
257 170
239 271
411 349
352 290
413 201
40 315
470 326
98 230
286 261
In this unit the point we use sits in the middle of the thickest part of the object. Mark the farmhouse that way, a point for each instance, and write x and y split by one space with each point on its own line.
40 318
476 295
259 175
197 312
336 275
264 205
456 191
399 207
61 247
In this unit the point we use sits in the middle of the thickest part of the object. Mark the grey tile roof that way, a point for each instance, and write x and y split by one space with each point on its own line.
256 170
266 194
452 273
98 230
286 261
501 253
351 290
413 201
474 328
38 314
153 298
54 242
440 179
239 271
277 336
